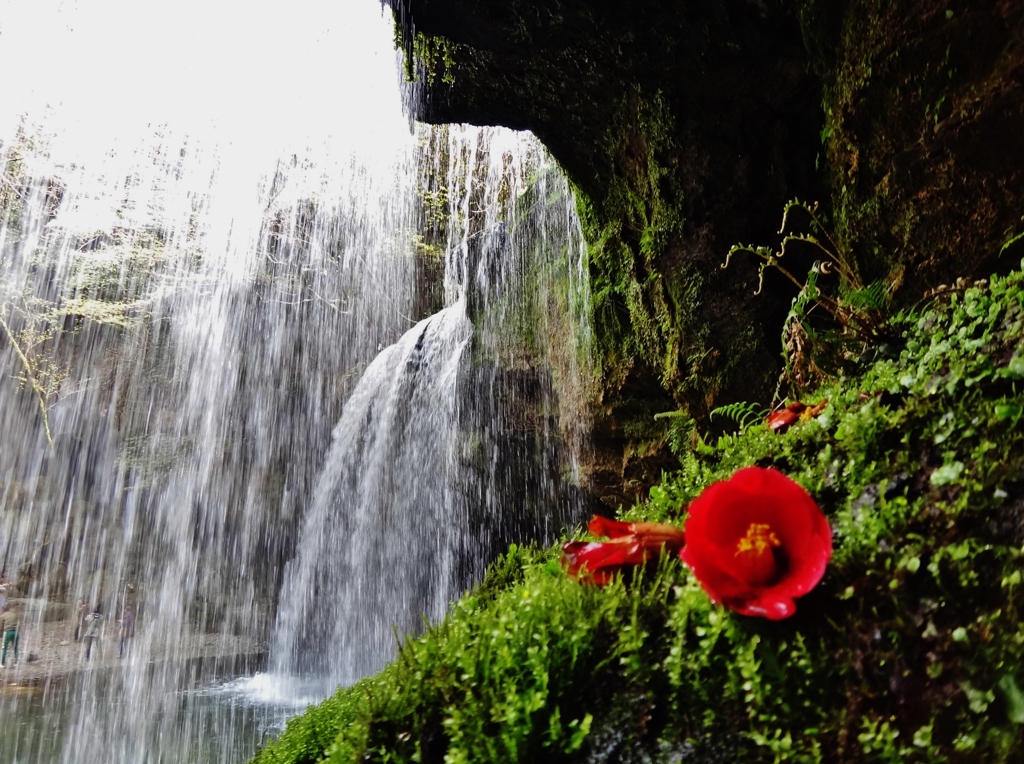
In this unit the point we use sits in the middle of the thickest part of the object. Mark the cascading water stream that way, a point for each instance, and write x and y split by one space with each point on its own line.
192 283
449 448
193 273
379 545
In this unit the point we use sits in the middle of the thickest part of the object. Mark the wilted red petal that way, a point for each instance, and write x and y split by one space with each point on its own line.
613 529
797 411
598 554
780 420
659 534
756 542
648 533
631 544
600 559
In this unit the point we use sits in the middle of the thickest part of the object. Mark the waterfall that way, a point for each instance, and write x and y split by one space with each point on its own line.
221 399
450 447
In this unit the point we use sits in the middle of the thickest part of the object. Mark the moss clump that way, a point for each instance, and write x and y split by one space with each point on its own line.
635 318
673 331
909 650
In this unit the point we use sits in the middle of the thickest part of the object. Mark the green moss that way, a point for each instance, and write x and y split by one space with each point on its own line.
652 349
909 650
637 318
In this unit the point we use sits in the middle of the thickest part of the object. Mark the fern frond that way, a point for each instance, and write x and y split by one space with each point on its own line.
871 297
671 414
743 413
679 436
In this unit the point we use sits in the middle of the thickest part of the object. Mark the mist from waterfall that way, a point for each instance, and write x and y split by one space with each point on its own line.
220 240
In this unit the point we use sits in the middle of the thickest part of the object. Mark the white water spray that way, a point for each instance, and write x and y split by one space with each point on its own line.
195 264
209 232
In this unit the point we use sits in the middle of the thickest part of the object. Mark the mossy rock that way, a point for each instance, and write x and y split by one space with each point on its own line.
924 106
687 126
909 650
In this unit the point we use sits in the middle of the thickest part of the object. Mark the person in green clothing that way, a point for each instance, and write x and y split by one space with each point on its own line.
9 628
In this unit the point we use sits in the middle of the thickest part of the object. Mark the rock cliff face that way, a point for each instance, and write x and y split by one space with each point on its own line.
924 138
686 127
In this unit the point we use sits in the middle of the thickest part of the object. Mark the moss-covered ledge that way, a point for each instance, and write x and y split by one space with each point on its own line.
910 650
686 126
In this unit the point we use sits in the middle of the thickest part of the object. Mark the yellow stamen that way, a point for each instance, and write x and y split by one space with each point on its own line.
759 539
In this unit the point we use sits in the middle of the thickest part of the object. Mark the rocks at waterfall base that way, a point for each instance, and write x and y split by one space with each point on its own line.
49 653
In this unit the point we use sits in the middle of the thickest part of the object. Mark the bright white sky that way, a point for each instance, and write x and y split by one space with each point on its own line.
260 75
111 84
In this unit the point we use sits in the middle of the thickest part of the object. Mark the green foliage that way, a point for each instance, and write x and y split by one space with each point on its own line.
1010 242
816 351
637 315
432 54
742 413
681 433
435 55
908 651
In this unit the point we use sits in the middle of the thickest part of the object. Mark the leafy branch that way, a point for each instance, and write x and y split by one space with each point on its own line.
30 377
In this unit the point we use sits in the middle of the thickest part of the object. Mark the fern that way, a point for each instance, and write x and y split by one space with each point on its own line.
871 297
681 430
744 414
680 414
851 316
1010 242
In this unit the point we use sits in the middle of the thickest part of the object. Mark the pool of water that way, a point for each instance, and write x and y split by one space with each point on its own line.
213 720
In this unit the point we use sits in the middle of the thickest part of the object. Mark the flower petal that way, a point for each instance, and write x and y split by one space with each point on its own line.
647 532
781 420
631 544
772 608
604 526
596 557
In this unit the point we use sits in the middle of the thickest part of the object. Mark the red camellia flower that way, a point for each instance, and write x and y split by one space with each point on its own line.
756 542
631 544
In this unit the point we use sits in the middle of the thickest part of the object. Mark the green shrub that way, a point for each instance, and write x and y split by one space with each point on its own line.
909 650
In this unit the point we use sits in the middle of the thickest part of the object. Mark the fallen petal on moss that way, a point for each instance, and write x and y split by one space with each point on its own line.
795 412
631 544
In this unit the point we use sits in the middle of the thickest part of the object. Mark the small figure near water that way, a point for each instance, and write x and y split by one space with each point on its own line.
80 615
127 629
9 629
91 629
